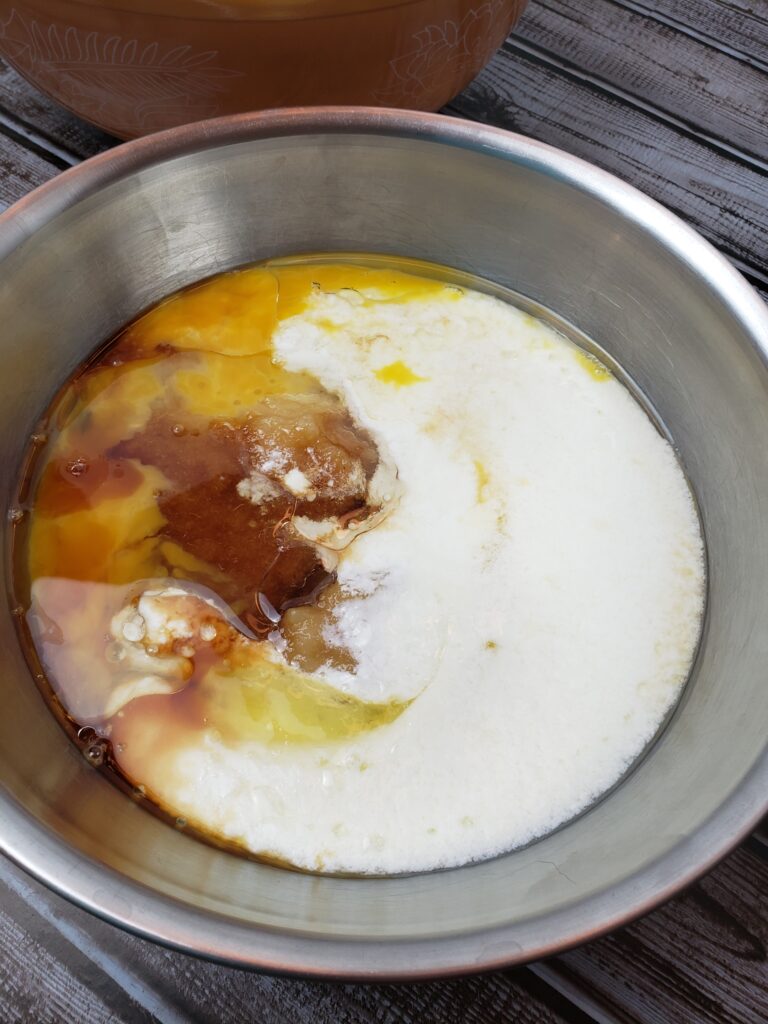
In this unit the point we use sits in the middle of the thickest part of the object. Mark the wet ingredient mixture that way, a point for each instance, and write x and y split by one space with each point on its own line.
359 569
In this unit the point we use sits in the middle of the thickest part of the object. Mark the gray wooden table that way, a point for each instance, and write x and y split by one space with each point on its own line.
672 96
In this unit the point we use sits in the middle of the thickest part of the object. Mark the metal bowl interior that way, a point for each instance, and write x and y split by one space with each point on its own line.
89 251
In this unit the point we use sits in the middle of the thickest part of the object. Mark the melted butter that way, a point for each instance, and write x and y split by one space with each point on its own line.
399 374
593 366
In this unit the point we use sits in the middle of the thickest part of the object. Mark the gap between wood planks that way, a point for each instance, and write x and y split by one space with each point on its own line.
123 977
23 134
464 104
741 33
724 198
514 44
700 959
46 124
522 987
697 960
706 90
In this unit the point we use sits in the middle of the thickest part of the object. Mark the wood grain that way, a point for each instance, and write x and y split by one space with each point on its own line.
739 25
702 958
51 125
694 82
122 970
45 978
21 167
718 194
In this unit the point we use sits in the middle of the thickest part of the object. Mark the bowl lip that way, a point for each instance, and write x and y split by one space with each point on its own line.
137 908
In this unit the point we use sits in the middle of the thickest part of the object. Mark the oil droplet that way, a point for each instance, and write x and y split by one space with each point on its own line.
77 467
181 822
178 429
95 753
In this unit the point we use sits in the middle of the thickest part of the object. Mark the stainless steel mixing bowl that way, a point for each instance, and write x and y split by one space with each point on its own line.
88 251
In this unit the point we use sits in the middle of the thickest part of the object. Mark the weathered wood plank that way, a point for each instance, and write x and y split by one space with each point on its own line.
173 987
740 24
44 978
52 924
21 168
51 122
701 959
704 87
721 196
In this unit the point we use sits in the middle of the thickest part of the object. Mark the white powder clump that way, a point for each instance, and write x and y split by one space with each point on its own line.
537 593
258 488
298 484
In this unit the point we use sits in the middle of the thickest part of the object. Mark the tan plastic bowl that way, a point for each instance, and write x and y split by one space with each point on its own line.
87 252
137 66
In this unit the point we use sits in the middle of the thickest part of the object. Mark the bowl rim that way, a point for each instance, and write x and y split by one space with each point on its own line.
148 914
